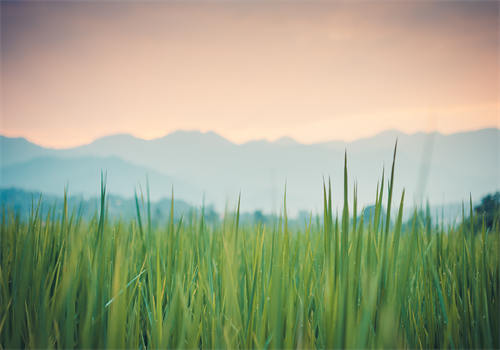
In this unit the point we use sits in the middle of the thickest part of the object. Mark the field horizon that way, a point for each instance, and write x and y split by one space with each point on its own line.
428 168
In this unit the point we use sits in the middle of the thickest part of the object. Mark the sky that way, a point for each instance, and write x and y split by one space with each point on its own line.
75 71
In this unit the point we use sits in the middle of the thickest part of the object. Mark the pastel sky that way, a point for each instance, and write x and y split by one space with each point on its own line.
315 71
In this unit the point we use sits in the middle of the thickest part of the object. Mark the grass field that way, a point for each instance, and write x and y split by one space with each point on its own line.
337 282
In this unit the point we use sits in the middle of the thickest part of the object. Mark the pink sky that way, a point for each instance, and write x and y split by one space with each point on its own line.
72 72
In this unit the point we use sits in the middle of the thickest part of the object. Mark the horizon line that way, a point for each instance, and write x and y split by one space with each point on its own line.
276 140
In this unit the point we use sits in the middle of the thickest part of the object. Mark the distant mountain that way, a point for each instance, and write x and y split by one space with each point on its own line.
18 150
82 175
440 168
286 141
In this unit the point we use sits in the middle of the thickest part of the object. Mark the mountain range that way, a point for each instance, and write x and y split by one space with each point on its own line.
431 167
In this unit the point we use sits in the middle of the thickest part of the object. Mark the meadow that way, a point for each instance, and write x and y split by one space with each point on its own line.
335 282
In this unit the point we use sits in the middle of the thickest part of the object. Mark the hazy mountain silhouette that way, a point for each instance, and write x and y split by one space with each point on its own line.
82 175
18 150
441 168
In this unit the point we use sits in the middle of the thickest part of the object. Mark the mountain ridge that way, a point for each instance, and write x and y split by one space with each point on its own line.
210 133
429 165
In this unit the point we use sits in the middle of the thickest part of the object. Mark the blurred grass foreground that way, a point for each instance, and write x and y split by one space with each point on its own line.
337 282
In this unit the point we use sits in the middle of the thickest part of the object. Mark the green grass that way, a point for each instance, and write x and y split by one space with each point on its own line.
337 282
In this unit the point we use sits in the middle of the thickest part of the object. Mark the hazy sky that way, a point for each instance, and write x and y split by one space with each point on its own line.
314 71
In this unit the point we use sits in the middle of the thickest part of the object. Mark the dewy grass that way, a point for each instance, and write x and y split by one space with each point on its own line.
337 282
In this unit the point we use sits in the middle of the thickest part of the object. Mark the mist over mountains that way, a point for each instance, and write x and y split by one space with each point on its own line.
430 166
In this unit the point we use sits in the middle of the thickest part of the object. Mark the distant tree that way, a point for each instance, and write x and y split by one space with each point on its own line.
369 214
211 214
489 208
258 216
303 217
